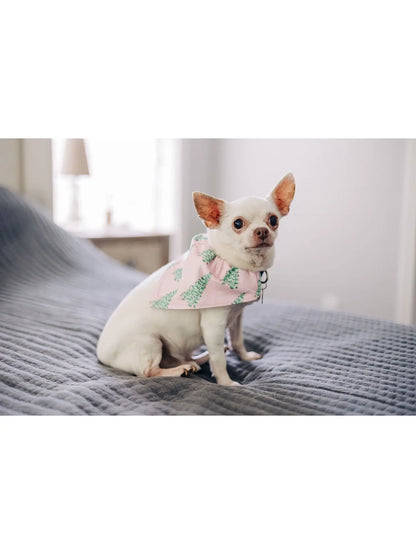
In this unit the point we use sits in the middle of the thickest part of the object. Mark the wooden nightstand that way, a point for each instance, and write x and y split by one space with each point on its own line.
143 251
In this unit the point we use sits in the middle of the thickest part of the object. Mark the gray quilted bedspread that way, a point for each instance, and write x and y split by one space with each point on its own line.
56 293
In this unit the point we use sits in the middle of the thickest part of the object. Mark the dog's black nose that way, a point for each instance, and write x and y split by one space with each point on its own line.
261 232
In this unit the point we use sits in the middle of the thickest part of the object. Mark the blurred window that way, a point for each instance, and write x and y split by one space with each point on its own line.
132 179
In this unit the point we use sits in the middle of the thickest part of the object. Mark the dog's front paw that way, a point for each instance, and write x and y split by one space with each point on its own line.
250 356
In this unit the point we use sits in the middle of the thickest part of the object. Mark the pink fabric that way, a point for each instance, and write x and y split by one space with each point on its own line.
200 279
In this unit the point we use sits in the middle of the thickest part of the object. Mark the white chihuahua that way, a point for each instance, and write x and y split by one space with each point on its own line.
192 301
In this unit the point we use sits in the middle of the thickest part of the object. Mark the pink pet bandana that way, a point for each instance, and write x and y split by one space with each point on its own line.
200 279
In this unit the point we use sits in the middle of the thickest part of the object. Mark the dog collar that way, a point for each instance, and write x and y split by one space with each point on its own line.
201 279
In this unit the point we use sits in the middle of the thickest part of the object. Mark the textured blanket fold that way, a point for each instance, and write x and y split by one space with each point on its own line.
57 292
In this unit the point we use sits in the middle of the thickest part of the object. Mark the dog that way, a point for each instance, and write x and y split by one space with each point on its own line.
192 301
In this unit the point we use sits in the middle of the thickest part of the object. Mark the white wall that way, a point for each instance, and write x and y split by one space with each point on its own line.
406 281
10 164
36 171
342 234
199 172
26 168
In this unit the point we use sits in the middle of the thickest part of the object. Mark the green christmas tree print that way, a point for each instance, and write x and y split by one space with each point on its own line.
231 278
164 302
239 299
193 295
208 255
178 274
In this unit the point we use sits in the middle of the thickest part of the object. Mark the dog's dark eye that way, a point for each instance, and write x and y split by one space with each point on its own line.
238 223
273 220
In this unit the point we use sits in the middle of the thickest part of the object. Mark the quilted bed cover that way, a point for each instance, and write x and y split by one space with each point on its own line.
56 293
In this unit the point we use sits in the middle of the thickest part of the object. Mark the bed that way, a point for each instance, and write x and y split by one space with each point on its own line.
57 291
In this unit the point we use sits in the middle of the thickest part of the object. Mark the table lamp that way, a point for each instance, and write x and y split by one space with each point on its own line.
75 163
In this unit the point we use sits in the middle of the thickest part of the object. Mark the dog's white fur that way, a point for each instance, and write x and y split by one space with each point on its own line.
154 342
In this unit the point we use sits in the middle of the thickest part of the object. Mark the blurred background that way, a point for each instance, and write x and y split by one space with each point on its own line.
349 242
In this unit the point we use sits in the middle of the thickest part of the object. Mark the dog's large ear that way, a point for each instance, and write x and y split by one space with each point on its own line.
209 208
283 193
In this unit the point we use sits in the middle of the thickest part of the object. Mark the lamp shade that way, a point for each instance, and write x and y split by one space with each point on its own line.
75 161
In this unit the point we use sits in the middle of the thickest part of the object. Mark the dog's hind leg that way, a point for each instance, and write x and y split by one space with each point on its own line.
139 356
143 358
